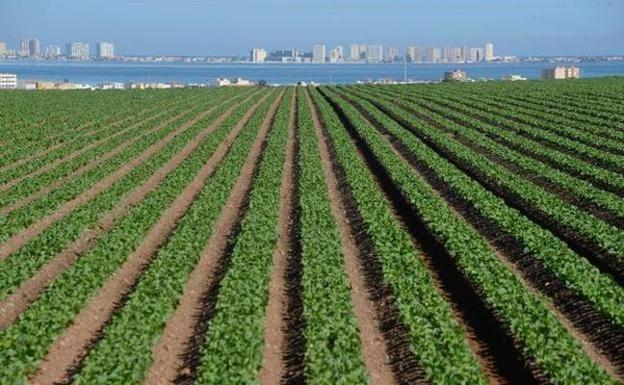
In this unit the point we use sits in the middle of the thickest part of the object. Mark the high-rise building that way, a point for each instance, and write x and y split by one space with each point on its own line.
24 49
105 50
414 54
433 55
77 50
363 51
53 51
475 55
34 48
3 48
489 51
318 53
354 53
374 53
392 55
258 55
336 55
454 54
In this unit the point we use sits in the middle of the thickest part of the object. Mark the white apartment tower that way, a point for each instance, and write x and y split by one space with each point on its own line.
489 51
258 55
77 50
2 48
105 50
53 51
392 54
354 53
374 54
318 53
336 55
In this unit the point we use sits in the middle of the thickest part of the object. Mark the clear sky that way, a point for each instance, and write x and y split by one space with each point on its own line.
231 27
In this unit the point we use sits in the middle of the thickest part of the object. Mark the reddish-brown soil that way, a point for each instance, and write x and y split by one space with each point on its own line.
374 346
52 165
69 349
168 354
273 366
19 239
16 303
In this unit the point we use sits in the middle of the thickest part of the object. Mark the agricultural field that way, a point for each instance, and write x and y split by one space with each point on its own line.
395 234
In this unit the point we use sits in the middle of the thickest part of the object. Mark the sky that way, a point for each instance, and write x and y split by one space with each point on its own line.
232 27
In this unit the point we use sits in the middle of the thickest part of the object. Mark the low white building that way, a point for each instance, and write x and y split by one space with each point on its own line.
8 81
513 78
238 82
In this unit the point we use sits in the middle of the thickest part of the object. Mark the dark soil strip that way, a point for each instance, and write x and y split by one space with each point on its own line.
293 351
502 354
393 334
591 325
583 246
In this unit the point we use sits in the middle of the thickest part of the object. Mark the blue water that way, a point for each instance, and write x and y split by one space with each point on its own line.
94 72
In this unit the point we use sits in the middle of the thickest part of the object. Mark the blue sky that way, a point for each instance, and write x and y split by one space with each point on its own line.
231 27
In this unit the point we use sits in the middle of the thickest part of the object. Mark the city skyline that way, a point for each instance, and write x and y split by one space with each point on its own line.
551 27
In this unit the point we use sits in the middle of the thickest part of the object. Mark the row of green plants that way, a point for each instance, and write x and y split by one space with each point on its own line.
24 343
472 128
37 141
30 184
160 288
235 339
88 144
600 233
333 353
18 220
571 268
526 315
436 338
29 258
576 130
528 146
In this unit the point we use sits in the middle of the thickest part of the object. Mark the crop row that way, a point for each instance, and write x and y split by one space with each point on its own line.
526 315
603 235
26 341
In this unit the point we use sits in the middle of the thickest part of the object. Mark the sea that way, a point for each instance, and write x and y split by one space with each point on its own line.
101 72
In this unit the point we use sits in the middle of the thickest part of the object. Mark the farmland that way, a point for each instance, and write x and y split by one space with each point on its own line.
387 234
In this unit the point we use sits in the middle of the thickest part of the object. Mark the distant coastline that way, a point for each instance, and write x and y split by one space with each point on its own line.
96 72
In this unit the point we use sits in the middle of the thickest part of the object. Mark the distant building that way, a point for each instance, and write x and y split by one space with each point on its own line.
414 54
8 81
3 48
475 55
455 76
489 51
561 72
105 51
513 78
282 55
258 55
354 53
24 50
34 48
392 55
318 53
433 55
238 82
77 50
53 51
336 55
374 54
